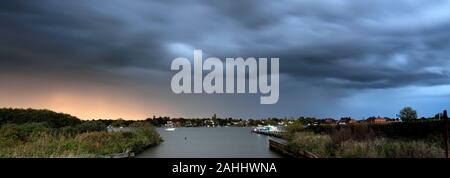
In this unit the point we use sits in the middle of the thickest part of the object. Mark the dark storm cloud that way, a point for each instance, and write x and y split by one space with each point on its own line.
343 43
333 53
71 35
358 44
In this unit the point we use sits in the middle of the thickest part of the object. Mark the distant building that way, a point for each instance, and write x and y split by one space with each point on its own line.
376 120
110 128
346 121
329 121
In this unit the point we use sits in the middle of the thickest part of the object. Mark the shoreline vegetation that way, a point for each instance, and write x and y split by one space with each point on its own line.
414 139
29 133
44 133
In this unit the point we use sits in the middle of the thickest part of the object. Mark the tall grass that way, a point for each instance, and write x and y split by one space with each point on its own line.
315 143
37 140
345 145
388 148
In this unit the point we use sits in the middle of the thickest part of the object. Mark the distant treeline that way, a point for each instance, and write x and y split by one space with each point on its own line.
198 122
59 122
21 116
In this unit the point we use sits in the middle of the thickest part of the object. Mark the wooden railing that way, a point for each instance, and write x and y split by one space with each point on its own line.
283 149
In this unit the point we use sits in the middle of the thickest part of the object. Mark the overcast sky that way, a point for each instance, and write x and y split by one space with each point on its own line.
111 59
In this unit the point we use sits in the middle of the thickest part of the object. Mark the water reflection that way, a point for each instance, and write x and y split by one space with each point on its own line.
225 142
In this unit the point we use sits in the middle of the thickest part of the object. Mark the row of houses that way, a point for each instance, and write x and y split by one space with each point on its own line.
348 120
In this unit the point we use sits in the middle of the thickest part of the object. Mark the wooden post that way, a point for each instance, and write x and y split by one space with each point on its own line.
446 133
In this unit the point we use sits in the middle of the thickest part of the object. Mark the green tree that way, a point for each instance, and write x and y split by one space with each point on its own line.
408 114
271 121
119 123
214 119
22 116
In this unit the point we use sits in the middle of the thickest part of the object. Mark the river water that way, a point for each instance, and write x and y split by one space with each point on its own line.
222 142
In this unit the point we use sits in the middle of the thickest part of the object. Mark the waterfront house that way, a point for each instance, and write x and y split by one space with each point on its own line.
329 121
111 128
376 120
346 121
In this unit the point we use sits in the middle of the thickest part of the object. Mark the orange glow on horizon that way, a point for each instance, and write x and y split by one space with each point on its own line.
89 104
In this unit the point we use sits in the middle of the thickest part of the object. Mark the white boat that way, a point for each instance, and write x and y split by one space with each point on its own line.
171 129
169 126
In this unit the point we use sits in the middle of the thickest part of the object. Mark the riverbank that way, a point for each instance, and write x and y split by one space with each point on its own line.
361 141
37 140
281 146
45 134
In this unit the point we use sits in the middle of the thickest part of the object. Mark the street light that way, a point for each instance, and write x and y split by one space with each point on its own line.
445 132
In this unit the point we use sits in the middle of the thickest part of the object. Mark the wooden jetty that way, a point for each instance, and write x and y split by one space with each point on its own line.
271 133
280 146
